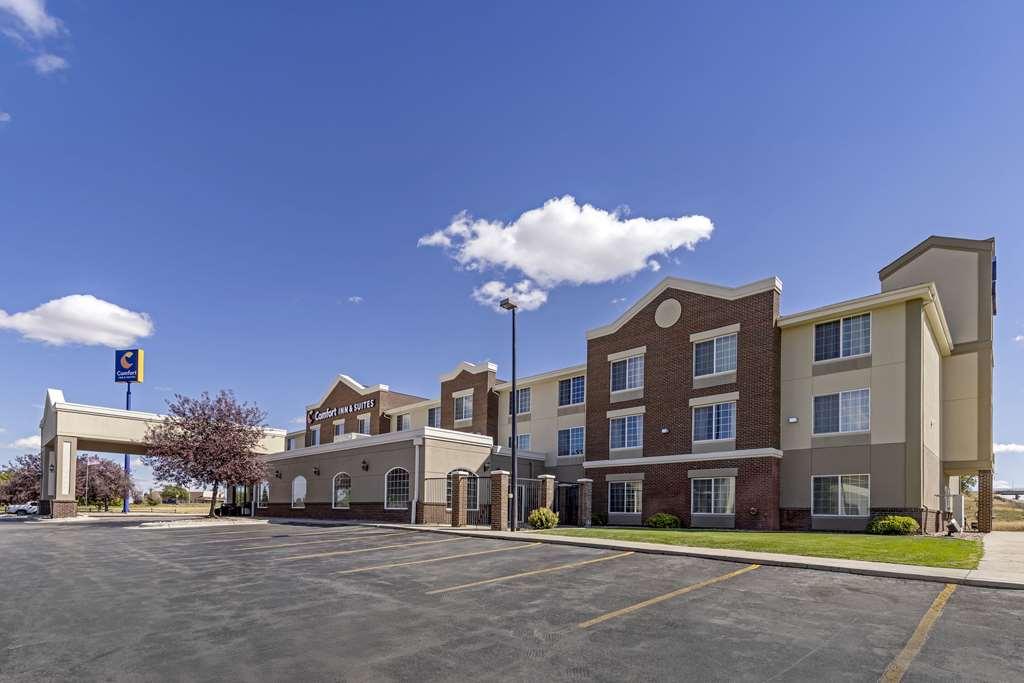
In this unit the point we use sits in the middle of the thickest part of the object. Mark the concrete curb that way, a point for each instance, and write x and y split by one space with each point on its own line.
963 577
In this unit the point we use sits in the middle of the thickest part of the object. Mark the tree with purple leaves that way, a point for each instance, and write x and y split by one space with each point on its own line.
207 441
101 481
22 481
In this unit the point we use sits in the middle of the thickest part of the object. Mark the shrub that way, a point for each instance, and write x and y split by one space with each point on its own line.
598 519
663 520
543 518
893 525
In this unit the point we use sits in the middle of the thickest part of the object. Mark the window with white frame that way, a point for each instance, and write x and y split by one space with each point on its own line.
625 496
299 492
363 424
522 442
841 495
521 402
714 356
572 391
396 489
404 423
434 417
472 491
342 491
464 407
314 438
570 441
713 496
339 429
714 422
263 494
628 373
626 432
842 412
842 338
290 443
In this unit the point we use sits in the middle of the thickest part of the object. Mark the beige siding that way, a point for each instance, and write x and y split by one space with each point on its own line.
543 421
955 274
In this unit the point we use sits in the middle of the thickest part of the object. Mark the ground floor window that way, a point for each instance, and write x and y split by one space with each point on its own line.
263 494
625 496
713 496
342 491
396 489
472 492
522 442
299 492
842 495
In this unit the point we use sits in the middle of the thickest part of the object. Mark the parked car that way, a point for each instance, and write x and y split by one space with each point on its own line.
22 509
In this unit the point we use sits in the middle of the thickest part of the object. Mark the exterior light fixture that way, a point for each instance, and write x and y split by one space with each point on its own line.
664 430
316 471
53 468
366 466
792 420
277 474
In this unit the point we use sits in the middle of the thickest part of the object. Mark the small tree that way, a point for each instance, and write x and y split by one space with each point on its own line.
206 441
178 493
968 482
24 479
106 481
154 498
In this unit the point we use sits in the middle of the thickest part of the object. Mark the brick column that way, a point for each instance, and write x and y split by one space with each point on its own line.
583 501
499 500
547 491
460 495
985 501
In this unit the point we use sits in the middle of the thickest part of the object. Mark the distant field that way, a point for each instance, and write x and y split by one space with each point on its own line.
183 509
1007 515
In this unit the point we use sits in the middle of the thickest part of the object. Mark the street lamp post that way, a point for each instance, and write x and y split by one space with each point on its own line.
509 306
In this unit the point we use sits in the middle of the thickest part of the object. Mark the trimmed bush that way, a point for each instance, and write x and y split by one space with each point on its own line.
599 519
663 520
543 518
894 525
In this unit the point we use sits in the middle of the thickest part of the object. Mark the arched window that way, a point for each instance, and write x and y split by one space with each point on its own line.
396 489
472 491
342 491
263 494
299 492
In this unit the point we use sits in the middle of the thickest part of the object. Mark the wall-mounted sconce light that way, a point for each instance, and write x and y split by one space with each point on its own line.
316 471
277 474
366 466
664 430
53 468
792 420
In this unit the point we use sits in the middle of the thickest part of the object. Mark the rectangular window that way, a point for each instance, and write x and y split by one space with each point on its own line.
628 373
714 356
290 443
846 495
626 432
433 417
713 496
625 496
364 425
843 338
339 429
714 422
522 402
314 438
847 411
464 407
522 442
572 391
570 441
404 423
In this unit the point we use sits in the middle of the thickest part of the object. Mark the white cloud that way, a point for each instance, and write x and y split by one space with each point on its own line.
524 294
25 442
79 319
1008 447
355 299
4 117
618 300
47 63
1019 338
1000 484
563 242
300 420
31 16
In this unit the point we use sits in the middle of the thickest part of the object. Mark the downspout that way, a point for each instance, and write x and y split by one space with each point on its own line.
416 480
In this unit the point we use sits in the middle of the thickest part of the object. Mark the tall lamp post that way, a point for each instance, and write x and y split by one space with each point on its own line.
513 400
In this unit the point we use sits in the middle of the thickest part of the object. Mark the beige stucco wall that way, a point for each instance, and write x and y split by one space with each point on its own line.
955 274
931 390
417 416
543 421
960 407
441 457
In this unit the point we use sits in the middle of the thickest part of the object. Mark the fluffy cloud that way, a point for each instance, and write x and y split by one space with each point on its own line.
28 442
4 117
31 16
355 299
1008 447
525 295
48 63
563 242
79 319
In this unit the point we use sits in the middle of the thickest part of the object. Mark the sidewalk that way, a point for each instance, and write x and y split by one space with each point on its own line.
1001 567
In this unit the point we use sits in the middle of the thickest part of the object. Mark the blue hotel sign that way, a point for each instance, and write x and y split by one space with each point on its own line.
128 365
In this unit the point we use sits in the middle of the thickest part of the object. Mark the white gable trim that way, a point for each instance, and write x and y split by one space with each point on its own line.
351 384
469 367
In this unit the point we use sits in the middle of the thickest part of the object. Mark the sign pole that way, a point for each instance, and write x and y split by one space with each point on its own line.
127 457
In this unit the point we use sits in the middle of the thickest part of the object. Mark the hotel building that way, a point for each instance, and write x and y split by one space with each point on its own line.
700 400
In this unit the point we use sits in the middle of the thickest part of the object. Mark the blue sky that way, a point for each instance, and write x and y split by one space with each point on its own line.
238 174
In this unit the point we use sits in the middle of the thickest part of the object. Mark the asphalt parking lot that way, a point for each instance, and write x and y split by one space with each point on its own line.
110 601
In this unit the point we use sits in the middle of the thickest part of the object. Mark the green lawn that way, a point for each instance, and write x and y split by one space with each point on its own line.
922 550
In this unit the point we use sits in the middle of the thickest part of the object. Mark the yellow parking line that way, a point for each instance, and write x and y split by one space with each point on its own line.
366 550
663 598
270 536
438 559
533 572
354 537
895 671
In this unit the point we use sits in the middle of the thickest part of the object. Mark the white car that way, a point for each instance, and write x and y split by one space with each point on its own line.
29 508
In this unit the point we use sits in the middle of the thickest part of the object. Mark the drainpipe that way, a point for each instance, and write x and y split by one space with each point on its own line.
416 479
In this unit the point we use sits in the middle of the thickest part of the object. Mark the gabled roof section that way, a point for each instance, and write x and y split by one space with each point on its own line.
351 384
704 288
469 367
938 242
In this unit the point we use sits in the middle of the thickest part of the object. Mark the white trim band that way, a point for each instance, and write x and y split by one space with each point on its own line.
685 457
714 398
717 332
628 353
626 412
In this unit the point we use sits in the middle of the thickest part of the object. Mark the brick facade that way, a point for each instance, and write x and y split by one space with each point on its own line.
357 512
985 501
485 402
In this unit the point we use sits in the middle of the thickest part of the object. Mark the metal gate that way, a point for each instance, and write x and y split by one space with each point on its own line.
567 504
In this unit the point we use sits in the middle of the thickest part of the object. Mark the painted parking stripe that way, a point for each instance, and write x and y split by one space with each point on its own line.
325 540
266 537
532 572
662 598
898 667
440 559
332 553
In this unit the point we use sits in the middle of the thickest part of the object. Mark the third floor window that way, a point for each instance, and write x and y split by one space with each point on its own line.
572 391
842 338
714 356
628 373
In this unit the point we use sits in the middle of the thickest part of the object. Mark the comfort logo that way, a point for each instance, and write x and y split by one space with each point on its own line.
126 360
128 365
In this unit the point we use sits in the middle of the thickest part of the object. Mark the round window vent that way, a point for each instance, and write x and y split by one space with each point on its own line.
668 312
